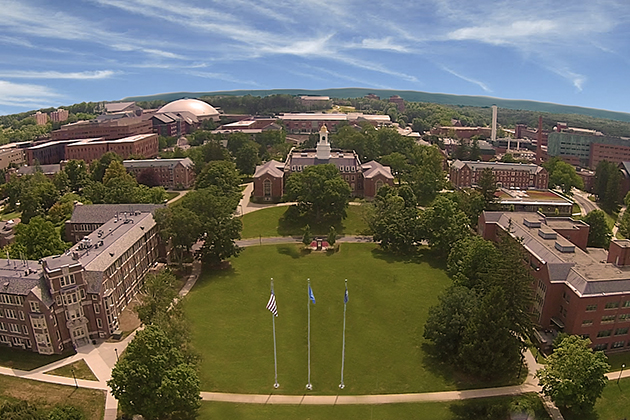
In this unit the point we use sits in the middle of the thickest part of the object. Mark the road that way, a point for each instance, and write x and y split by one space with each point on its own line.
585 204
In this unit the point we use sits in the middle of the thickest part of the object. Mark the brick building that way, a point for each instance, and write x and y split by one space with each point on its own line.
73 298
577 290
108 129
587 148
59 115
88 218
171 173
364 179
41 118
312 122
508 175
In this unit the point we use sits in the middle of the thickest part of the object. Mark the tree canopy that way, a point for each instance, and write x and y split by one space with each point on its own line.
599 234
606 186
320 191
574 376
395 220
153 378
563 175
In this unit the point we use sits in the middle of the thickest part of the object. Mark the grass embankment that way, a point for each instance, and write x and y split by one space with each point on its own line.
272 222
613 405
78 369
90 401
460 410
385 351
27 360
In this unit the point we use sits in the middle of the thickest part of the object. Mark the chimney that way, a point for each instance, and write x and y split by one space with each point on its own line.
494 123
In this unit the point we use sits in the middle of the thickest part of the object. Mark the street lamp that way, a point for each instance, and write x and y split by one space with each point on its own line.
116 351
76 385
623 365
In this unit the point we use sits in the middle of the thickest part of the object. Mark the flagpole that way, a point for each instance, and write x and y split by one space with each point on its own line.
309 386
275 358
343 347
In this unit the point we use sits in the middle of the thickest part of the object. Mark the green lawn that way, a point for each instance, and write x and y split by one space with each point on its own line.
9 216
385 352
171 194
461 410
90 401
80 368
27 360
270 222
613 405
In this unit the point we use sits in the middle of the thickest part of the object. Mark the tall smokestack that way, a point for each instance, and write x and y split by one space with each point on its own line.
494 123
539 141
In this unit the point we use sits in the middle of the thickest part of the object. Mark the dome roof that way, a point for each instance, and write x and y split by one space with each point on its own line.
194 106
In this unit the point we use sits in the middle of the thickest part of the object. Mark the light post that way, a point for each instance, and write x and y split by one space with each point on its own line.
623 365
116 351
76 385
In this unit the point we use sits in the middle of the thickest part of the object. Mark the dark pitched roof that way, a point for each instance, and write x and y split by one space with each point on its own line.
101 213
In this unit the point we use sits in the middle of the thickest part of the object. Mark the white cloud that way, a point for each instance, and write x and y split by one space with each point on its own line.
26 95
221 76
468 79
83 75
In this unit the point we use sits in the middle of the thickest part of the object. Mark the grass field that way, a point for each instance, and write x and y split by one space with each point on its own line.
27 360
613 405
462 410
90 401
80 368
269 222
385 352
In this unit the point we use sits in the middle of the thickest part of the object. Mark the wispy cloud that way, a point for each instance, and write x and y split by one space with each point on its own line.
222 76
468 79
17 94
83 75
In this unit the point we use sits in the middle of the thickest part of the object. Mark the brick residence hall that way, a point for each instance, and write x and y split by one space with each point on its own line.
364 179
577 290
67 300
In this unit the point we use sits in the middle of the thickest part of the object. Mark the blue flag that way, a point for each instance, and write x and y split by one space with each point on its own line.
345 296
310 294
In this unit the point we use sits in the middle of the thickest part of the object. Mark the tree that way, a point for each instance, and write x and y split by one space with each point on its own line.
475 151
220 173
20 410
246 157
398 164
158 293
606 185
98 167
154 380
37 239
219 228
148 177
487 185
395 220
599 234
447 320
306 235
320 192
179 225
470 201
574 376
65 412
427 176
624 224
562 175
332 236
443 224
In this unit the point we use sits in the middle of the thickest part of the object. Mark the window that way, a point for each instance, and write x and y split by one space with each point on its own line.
626 304
25 329
624 317
95 297
604 333
591 308
602 346
617 344
612 305
34 306
1 313
99 323
587 322
21 313
97 308
267 188
67 280
608 319
621 331
10 313
14 328
2 326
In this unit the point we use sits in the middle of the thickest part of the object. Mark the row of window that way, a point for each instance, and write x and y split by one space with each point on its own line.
11 314
615 345
14 328
608 333
16 341
609 305
608 319
11 299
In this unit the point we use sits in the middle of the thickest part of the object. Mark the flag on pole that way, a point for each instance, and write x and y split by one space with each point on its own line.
345 296
271 305
310 294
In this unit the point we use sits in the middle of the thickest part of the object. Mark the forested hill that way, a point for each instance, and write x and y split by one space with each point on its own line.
408 95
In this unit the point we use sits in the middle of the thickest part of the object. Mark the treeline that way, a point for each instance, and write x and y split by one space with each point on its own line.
256 105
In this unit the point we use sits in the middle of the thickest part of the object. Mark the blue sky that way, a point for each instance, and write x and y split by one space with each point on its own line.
573 52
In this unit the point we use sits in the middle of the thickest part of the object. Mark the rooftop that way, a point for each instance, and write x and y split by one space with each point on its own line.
498 166
101 213
149 163
534 197
586 272
19 277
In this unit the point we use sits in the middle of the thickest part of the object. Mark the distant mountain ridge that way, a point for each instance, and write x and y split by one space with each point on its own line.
408 95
